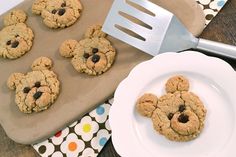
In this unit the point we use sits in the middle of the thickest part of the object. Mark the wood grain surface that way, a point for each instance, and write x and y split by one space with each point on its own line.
222 29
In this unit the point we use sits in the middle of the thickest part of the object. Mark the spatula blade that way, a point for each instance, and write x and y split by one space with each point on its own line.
166 34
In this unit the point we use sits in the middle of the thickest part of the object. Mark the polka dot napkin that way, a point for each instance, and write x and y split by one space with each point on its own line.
87 136
211 7
84 138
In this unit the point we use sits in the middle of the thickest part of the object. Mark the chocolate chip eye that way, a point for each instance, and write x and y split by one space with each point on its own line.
15 44
63 4
183 118
54 11
95 58
37 95
95 50
61 12
8 42
26 90
182 108
16 35
37 84
86 55
170 116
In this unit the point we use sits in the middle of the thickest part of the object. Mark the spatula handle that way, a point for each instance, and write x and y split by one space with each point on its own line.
217 48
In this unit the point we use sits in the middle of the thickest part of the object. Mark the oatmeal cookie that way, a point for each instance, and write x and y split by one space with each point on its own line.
58 13
16 38
91 55
37 90
179 115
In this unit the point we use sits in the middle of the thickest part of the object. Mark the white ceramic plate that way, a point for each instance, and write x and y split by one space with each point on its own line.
212 79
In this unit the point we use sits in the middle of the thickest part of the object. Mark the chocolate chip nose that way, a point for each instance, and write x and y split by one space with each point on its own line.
95 58
14 44
61 12
37 95
183 118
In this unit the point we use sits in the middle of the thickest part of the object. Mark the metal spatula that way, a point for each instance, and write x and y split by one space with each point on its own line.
163 31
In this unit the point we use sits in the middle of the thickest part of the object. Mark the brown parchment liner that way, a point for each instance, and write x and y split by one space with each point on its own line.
79 93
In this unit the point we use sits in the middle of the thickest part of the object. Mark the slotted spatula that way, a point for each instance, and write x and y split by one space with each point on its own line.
164 34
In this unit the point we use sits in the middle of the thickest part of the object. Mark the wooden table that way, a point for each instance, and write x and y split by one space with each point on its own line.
222 29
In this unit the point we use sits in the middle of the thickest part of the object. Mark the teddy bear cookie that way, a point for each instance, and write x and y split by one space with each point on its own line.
37 90
57 13
93 55
178 115
16 38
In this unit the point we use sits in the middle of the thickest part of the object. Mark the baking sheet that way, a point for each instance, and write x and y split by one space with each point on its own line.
79 92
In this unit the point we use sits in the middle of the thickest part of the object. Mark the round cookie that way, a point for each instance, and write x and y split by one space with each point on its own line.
16 38
146 104
179 116
57 13
177 83
37 90
93 55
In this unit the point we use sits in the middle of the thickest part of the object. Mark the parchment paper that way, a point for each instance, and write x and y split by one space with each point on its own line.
80 93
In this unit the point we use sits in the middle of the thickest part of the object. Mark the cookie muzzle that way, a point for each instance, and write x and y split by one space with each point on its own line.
185 123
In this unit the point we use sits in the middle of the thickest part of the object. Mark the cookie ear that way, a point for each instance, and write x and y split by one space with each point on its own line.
42 63
67 48
38 6
14 80
95 31
146 104
177 83
14 17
